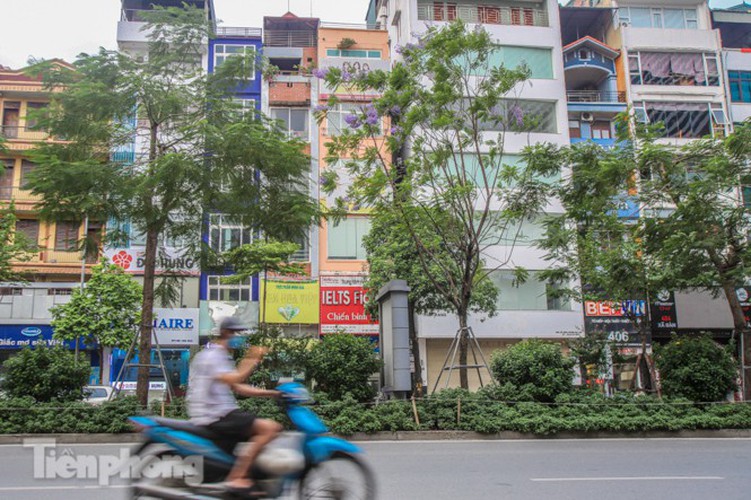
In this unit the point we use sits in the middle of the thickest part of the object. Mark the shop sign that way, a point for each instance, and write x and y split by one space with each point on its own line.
20 336
131 386
169 260
343 306
663 312
175 327
290 302
615 319
744 297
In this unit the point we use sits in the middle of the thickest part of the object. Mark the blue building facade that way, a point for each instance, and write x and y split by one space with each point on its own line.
217 299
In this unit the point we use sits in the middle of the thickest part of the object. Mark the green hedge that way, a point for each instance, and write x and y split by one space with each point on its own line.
480 412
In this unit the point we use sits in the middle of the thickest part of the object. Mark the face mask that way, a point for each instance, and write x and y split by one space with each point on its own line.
236 342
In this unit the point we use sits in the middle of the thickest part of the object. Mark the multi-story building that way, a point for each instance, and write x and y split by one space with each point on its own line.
56 266
217 298
734 24
529 32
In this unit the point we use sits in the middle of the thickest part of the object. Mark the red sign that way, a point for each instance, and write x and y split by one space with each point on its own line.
343 306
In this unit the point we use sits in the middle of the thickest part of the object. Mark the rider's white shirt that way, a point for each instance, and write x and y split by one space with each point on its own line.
208 398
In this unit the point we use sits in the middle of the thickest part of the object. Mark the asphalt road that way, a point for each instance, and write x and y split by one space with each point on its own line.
662 469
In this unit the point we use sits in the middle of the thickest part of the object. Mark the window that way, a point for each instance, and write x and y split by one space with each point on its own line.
303 254
26 168
539 61
29 228
345 238
59 292
137 237
532 295
444 11
66 236
523 116
520 233
226 234
245 106
645 17
223 52
6 179
33 110
7 291
224 292
740 86
574 129
367 54
601 130
293 120
674 68
684 120
336 117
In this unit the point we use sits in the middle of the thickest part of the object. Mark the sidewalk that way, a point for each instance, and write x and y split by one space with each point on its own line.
10 439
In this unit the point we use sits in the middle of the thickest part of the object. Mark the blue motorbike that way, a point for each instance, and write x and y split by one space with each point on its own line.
184 461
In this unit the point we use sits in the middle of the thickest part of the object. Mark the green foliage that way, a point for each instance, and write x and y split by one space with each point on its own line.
14 246
342 364
26 415
45 374
696 368
534 366
107 310
263 257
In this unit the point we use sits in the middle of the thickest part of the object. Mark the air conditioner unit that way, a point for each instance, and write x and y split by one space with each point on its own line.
587 117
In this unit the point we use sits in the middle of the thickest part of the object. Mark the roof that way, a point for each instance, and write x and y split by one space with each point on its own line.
290 21
594 44
741 7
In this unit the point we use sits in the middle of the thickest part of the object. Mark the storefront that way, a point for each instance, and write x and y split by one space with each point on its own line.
343 307
14 338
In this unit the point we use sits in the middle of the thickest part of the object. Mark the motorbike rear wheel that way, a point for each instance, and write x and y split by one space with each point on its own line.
342 477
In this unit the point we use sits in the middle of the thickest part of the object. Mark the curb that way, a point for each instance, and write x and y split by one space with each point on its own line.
130 438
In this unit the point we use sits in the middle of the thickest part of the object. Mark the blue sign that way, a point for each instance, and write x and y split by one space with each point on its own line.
20 336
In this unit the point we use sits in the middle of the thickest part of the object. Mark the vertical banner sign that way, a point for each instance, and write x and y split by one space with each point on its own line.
664 315
343 306
744 297
614 318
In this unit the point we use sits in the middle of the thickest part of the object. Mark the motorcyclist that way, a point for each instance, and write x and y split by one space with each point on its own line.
211 403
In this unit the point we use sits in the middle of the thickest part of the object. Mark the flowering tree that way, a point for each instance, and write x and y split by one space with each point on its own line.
441 171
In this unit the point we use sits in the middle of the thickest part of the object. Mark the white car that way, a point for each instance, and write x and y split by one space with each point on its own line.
96 394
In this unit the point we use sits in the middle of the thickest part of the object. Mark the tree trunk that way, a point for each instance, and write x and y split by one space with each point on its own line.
741 330
417 382
147 316
463 344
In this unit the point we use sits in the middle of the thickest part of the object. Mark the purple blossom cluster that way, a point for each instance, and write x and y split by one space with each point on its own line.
518 114
321 108
347 76
320 73
371 115
396 130
353 121
395 110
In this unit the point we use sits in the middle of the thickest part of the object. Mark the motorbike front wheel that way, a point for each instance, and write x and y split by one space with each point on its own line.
342 477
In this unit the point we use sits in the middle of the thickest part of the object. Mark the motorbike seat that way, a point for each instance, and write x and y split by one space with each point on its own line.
186 426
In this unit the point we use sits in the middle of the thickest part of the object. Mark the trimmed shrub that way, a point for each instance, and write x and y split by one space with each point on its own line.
696 368
533 368
342 364
45 374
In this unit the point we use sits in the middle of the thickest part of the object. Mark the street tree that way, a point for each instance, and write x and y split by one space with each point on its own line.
195 151
595 248
441 170
15 247
105 312
701 219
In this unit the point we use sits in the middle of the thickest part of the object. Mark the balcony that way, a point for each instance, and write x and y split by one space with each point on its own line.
603 143
595 96
16 132
481 14
52 256
18 194
290 38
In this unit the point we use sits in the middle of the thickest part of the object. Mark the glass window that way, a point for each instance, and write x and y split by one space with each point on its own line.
223 52
368 54
674 68
137 237
539 61
245 106
345 238
336 117
740 85
681 120
657 18
641 17
224 292
29 228
226 234
521 233
26 168
33 109
66 236
523 116
532 295
294 121
6 179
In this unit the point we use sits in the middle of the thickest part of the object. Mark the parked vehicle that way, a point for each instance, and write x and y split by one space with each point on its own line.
307 462
96 394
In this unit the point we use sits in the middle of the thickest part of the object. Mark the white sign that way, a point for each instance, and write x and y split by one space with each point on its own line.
176 327
131 386
168 260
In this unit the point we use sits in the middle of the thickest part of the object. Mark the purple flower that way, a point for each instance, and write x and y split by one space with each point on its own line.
397 130
371 115
346 76
320 73
321 108
353 121
395 110
518 115
398 49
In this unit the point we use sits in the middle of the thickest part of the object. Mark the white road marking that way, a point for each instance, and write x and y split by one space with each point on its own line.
627 478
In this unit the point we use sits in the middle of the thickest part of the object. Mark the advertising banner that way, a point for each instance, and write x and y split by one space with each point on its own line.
176 327
20 336
169 260
615 319
290 302
663 312
343 306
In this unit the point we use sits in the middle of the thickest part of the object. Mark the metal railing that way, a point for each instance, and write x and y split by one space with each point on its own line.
595 96
481 14
133 15
52 256
17 193
351 26
238 31
18 132
291 38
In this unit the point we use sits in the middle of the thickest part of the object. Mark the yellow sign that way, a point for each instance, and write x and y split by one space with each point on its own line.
290 302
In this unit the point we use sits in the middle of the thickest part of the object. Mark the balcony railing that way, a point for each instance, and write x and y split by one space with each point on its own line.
52 256
17 193
479 14
595 96
238 31
292 38
27 133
